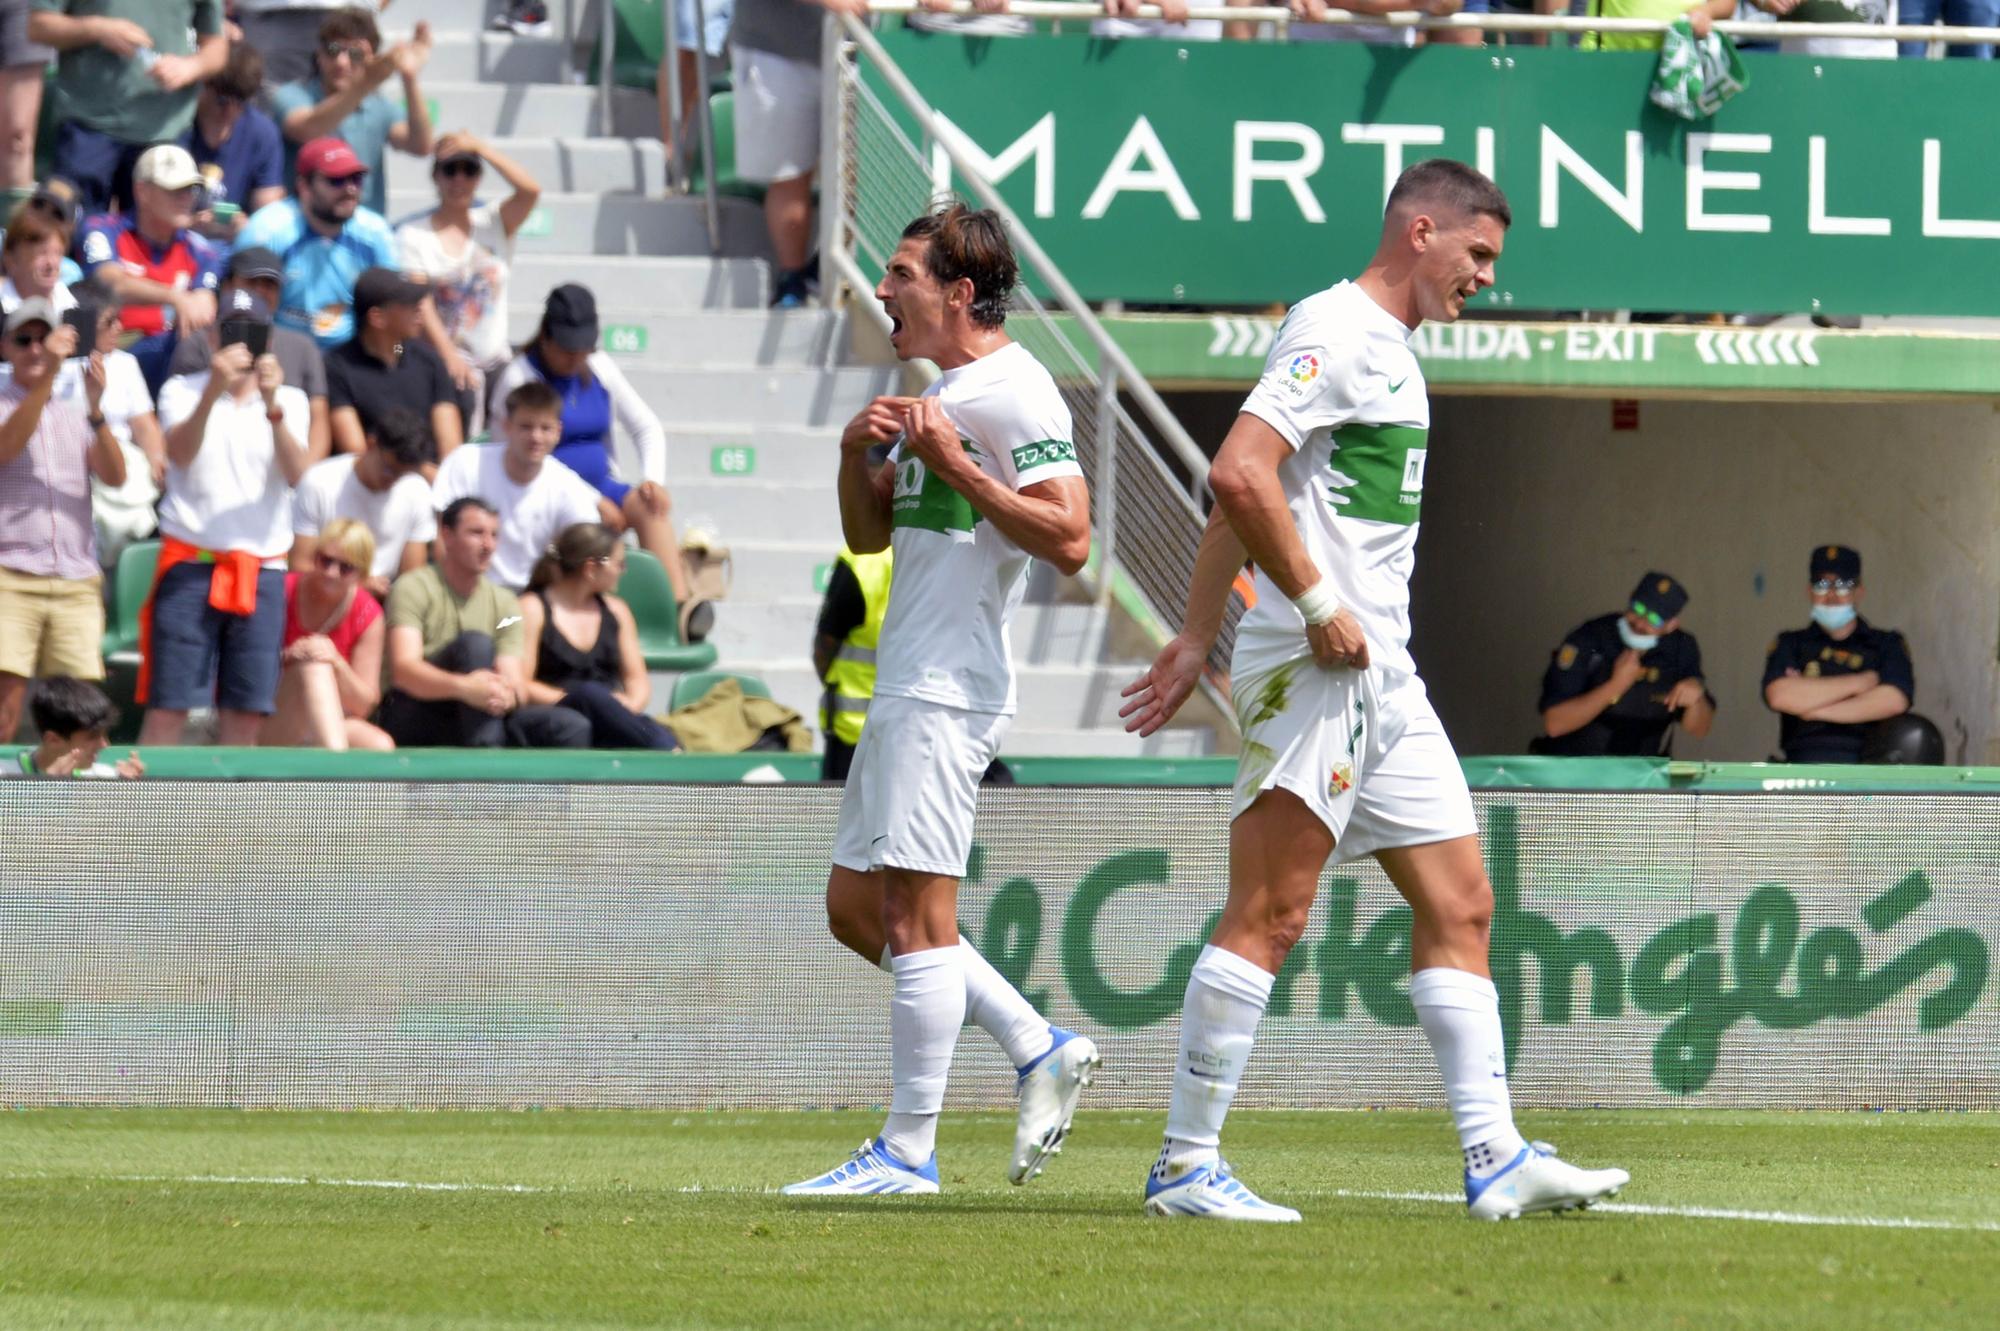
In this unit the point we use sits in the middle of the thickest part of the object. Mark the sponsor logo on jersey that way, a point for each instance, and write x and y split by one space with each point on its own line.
1042 453
1302 373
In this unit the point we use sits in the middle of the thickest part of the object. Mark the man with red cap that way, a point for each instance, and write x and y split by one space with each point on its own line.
326 239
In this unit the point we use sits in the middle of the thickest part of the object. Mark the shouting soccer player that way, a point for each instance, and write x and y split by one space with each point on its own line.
1319 482
983 477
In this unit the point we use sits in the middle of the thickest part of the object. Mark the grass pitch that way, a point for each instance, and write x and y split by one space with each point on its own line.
141 1219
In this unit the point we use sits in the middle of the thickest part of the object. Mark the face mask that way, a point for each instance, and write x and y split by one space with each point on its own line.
1638 642
1833 616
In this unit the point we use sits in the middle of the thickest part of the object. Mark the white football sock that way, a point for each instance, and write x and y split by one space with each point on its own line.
924 1017
1225 1000
1460 1013
998 1008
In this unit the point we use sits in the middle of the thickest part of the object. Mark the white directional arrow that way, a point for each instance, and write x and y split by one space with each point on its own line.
1221 342
1244 334
1788 348
1767 342
1806 351
1267 332
1725 347
1704 347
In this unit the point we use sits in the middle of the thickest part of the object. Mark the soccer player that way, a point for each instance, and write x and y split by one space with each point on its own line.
983 477
1319 482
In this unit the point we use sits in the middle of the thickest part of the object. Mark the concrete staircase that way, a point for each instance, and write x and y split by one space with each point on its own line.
753 399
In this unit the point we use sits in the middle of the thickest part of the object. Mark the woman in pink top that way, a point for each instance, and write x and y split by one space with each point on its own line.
334 631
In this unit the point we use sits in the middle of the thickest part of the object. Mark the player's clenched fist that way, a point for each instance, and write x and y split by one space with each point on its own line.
1339 641
877 423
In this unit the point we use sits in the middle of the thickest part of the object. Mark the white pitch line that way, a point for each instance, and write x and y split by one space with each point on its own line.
1711 1213
399 1185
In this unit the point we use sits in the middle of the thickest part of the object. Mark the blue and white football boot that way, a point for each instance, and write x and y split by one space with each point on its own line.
870 1172
1049 1088
1535 1180
1210 1192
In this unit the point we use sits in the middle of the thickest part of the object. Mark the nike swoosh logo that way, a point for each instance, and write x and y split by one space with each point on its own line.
1397 386
511 619
1211 1076
883 837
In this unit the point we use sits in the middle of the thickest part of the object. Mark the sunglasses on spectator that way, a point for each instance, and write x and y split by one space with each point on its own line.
352 50
461 166
346 182
334 564
1827 585
26 339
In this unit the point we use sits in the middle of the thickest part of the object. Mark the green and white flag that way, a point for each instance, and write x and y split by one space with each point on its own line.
1696 75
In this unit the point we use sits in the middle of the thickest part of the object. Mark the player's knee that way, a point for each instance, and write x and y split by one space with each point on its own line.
1285 926
1468 912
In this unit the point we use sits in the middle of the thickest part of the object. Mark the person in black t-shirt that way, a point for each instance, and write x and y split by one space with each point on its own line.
387 366
1832 680
1620 682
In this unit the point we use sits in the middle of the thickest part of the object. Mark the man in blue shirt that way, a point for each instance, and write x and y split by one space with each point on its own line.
341 99
237 147
326 239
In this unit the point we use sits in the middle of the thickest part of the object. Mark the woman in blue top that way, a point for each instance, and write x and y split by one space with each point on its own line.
597 400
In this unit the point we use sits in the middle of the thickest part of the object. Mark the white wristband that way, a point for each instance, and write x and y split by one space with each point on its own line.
1318 603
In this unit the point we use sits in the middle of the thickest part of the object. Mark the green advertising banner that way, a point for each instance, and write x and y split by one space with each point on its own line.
466 945
1247 173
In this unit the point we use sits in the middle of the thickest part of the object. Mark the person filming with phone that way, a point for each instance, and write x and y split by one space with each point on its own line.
51 593
215 622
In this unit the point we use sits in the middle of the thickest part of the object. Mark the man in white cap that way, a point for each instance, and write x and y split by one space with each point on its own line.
163 271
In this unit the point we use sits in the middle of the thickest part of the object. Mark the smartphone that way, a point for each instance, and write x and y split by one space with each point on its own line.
249 332
83 318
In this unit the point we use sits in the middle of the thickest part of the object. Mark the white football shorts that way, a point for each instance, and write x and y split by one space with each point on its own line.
1363 748
913 787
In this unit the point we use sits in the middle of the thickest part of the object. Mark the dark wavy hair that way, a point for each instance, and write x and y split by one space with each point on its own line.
972 244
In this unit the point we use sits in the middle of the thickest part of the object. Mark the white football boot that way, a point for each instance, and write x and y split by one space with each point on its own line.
1535 1180
1049 1088
870 1172
1211 1192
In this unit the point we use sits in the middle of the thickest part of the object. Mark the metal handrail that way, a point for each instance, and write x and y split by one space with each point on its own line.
1283 17
1110 354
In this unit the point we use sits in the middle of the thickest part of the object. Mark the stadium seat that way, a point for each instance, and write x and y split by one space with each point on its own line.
130 586
647 589
722 110
690 688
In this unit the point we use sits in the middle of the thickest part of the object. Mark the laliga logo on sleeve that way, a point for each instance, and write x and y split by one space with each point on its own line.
1301 373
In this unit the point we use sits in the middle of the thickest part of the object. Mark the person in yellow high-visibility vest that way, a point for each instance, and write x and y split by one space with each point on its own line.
850 622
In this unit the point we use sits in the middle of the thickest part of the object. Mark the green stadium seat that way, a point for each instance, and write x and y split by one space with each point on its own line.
639 29
722 110
130 585
647 589
691 687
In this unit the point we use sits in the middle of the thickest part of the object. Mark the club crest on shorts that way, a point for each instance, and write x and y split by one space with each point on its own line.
1342 779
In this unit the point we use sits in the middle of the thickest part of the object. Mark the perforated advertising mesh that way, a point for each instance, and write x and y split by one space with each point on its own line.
1154 525
266 944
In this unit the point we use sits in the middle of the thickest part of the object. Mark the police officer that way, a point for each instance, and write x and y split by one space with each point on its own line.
1619 682
1830 680
850 624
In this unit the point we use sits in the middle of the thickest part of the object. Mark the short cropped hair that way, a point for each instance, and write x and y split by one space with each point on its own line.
456 510
242 77
64 706
404 436
970 243
351 540
346 25
534 395
1442 185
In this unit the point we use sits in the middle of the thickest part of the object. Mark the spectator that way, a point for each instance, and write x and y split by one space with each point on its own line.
341 98
161 269
22 65
287 33
54 200
465 248
126 77
216 619
326 240
774 57
1829 680
1804 15
1380 34
1699 16
386 367
331 676
535 495
713 20
1619 682
1174 23
989 19
595 395
1956 14
51 593
262 273
455 641
120 514
237 147
74 720
580 643
382 488
850 624
524 18
31 256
